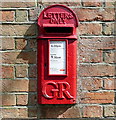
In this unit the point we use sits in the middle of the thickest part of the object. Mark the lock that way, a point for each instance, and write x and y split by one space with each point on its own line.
57 55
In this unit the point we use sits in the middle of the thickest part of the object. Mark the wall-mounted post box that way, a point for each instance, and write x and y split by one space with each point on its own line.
57 46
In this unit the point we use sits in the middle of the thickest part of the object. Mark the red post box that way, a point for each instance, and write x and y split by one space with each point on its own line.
57 43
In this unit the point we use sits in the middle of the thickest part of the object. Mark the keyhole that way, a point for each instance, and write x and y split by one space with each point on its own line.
45 65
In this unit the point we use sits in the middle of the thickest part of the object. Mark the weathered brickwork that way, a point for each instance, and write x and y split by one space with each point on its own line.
96 76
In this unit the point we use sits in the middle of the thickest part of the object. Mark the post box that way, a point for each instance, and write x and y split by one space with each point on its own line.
57 51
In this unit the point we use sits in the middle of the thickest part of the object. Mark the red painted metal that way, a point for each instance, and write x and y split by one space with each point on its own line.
57 23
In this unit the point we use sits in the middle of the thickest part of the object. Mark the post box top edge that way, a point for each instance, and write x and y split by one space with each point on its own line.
58 5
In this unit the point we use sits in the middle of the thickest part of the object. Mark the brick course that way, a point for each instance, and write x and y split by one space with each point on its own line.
21 44
8 100
92 111
15 85
7 16
89 14
18 4
91 83
90 29
22 99
19 57
109 83
99 43
18 30
96 68
109 111
21 16
98 97
21 71
109 29
7 72
7 44
110 56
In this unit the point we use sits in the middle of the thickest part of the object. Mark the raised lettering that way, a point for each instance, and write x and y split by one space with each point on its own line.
58 90
49 15
57 17
53 91
63 90
44 15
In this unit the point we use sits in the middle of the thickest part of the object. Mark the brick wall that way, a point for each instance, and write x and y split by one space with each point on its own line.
96 67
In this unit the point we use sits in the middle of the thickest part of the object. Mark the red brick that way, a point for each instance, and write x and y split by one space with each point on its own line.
98 43
9 113
26 57
108 14
33 43
7 44
91 83
19 113
33 85
92 3
0 95
64 2
21 71
60 112
98 97
33 111
109 29
110 56
109 83
109 111
92 111
18 30
96 70
110 3
90 55
34 13
86 14
24 44
19 57
18 4
7 72
90 29
21 44
32 99
90 49
9 57
7 16
73 112
33 71
22 99
21 16
8 99
15 85
22 113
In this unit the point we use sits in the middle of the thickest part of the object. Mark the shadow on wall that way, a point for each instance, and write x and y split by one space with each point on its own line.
28 56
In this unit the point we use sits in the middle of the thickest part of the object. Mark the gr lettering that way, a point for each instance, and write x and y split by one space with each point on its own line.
59 90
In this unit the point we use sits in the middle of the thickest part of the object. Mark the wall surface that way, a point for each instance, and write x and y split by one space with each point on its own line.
96 81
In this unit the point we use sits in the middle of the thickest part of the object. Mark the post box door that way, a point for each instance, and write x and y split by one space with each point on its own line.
57 71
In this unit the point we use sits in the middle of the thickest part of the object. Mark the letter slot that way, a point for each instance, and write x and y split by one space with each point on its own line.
58 30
